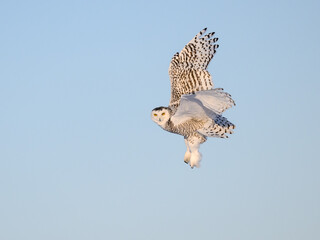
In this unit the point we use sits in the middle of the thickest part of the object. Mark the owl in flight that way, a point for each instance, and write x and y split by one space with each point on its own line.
195 107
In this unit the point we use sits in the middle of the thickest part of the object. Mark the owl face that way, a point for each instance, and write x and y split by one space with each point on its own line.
160 115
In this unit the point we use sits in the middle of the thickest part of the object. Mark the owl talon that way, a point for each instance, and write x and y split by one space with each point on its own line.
187 156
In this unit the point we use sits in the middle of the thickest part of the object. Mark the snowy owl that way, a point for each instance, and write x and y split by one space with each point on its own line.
195 107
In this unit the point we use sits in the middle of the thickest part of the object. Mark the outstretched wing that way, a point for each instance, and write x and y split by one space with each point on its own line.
202 105
189 109
215 100
187 69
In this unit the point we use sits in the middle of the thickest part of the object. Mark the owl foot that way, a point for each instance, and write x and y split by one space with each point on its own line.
187 156
195 159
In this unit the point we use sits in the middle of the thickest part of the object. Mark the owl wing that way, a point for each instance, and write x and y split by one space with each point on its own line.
202 106
215 100
189 110
187 70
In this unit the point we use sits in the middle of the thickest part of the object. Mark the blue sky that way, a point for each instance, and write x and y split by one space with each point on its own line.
81 159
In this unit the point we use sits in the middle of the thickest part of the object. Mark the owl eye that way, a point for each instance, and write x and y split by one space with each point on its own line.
155 114
163 114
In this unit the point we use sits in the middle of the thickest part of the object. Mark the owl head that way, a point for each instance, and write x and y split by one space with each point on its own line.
161 115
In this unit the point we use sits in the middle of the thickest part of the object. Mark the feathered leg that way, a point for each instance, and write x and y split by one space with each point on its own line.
195 157
187 155
194 142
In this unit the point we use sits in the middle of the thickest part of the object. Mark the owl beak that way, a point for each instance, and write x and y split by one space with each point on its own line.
159 119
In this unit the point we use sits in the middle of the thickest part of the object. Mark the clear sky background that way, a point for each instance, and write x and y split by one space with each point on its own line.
81 159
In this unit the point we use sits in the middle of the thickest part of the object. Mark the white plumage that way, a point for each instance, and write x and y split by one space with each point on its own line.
201 105
195 107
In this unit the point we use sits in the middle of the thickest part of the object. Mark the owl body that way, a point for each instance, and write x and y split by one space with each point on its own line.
195 109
